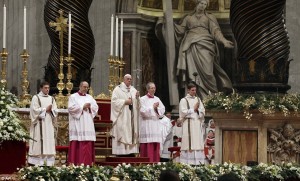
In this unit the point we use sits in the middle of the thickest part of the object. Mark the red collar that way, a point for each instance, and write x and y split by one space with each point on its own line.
81 94
150 96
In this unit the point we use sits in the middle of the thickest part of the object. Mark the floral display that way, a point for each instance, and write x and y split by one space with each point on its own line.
265 103
151 172
72 173
11 127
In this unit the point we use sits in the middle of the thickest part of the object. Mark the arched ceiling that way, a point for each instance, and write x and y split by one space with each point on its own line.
220 8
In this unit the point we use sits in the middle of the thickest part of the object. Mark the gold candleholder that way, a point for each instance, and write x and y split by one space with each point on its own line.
4 55
69 84
111 74
25 98
60 98
121 69
116 70
91 91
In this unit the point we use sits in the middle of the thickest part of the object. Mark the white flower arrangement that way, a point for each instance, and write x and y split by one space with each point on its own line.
266 104
11 128
266 172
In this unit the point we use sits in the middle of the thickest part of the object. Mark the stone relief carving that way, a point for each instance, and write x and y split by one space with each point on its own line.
283 144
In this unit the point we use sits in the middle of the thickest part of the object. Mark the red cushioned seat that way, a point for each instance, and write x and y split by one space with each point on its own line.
174 148
61 148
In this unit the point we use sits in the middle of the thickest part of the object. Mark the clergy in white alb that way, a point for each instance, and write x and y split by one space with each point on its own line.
191 113
82 109
43 114
152 109
125 110
167 138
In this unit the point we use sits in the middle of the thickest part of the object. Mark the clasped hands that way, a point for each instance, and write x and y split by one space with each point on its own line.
155 105
49 108
86 106
129 100
196 107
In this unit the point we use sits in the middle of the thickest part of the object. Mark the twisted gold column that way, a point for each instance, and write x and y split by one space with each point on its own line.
4 55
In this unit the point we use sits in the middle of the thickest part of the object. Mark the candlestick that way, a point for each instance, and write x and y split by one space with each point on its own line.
69 38
24 27
4 55
69 84
121 40
111 34
4 26
25 97
117 36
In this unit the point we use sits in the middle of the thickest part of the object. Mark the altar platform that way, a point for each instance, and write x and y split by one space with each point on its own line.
237 139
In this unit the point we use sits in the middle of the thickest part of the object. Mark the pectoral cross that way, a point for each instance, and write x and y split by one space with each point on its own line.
61 25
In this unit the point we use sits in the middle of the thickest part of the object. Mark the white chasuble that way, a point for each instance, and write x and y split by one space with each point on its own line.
125 120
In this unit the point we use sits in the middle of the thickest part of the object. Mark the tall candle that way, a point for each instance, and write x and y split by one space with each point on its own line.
69 37
121 40
4 26
24 27
111 34
117 37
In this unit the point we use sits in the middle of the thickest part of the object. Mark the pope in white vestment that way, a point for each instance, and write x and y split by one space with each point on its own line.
191 113
43 114
124 115
82 109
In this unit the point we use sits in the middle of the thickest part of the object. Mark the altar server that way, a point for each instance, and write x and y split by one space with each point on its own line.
151 133
191 115
82 109
167 137
43 114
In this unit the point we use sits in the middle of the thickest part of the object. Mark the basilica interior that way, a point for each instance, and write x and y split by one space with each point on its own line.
264 60
141 46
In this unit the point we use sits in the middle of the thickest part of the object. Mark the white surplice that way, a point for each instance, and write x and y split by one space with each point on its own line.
81 122
167 137
42 148
192 143
125 121
150 126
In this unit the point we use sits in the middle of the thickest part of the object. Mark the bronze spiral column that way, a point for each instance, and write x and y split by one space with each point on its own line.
263 45
83 42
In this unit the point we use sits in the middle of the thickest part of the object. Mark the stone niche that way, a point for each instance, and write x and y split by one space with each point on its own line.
265 138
